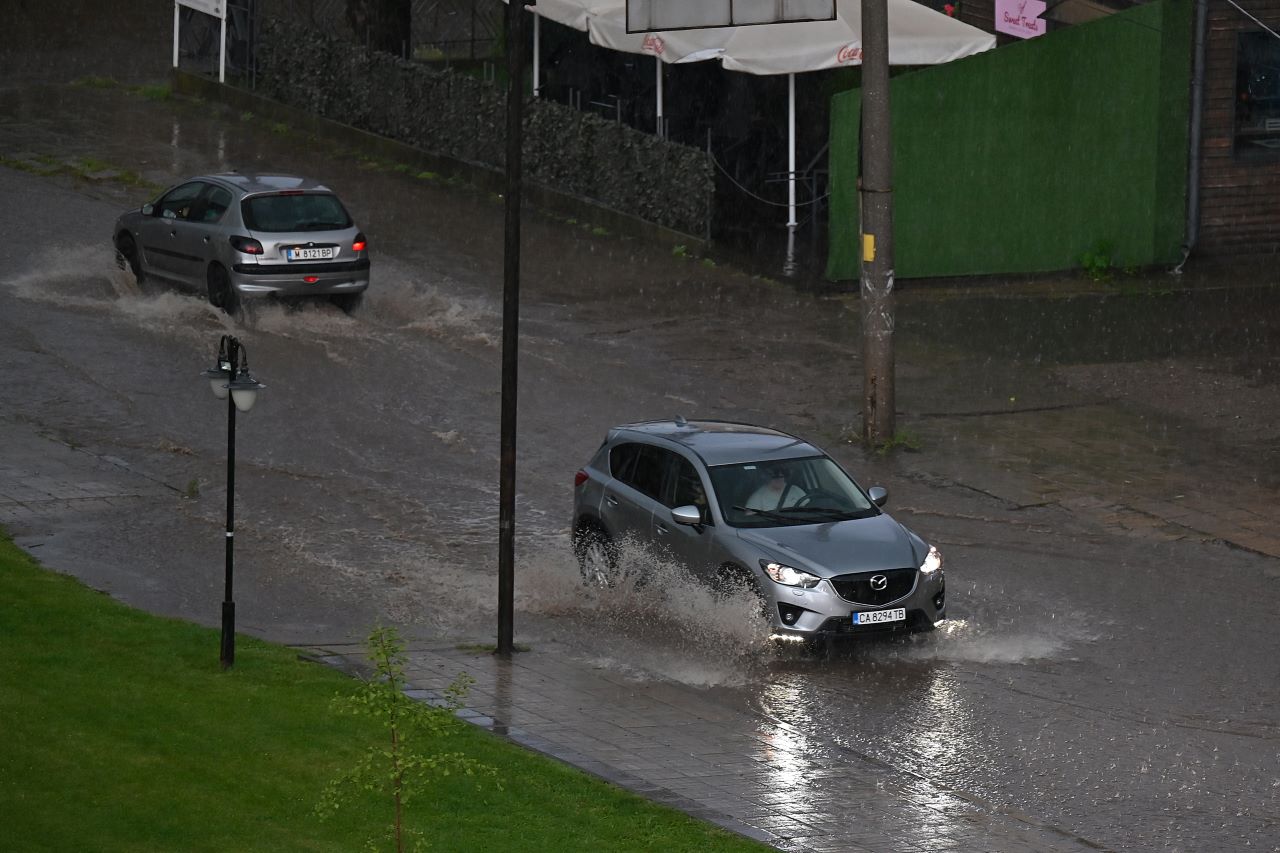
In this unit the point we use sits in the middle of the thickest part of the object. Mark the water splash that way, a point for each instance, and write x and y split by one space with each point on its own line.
655 620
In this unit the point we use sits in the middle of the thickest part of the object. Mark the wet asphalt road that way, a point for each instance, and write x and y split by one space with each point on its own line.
1120 687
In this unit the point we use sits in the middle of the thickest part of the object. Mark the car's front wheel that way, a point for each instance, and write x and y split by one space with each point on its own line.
597 555
221 293
127 257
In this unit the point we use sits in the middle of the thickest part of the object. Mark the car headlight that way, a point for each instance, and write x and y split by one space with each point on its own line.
788 576
933 562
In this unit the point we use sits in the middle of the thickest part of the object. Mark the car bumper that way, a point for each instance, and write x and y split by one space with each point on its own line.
291 280
819 612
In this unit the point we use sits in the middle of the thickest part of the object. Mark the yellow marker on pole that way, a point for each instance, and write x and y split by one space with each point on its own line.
868 248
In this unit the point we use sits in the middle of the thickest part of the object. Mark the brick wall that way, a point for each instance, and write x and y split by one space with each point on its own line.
1240 194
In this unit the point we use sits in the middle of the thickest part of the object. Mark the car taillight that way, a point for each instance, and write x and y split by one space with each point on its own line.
580 478
248 245
359 244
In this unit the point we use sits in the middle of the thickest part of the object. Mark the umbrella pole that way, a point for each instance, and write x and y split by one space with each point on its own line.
537 43
659 130
791 150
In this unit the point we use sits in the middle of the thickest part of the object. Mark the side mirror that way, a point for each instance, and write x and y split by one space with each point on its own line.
687 515
878 495
148 209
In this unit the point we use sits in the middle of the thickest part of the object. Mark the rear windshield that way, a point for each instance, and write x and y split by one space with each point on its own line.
306 212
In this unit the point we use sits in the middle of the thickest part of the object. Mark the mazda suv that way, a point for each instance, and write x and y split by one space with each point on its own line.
744 506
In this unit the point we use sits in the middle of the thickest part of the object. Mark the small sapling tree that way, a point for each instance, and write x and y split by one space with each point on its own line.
414 753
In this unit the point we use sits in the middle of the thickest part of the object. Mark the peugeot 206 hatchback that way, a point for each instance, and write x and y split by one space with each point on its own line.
233 235
743 505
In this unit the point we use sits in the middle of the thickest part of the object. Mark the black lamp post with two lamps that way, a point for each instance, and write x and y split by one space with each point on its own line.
230 380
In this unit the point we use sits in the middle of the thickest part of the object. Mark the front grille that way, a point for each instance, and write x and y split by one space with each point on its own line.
858 589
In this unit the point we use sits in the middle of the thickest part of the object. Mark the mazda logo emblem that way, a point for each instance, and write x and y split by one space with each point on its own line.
879 583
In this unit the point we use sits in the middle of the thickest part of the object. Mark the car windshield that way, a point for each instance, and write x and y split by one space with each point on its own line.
785 492
294 212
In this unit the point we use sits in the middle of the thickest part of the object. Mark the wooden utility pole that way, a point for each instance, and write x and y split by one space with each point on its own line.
876 197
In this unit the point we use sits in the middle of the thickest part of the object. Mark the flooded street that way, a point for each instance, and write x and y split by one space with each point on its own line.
1109 672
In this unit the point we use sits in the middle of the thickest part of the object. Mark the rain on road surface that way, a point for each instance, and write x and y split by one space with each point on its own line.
1117 683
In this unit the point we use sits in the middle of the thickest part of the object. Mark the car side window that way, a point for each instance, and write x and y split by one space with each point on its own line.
180 202
684 488
216 202
622 460
649 470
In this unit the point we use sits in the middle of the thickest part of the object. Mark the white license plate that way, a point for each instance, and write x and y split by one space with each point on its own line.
309 254
875 617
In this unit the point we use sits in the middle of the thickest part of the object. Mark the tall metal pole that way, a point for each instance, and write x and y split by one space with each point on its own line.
876 197
228 653
510 329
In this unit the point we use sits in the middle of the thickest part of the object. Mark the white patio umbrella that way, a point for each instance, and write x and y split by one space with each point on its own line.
605 21
917 36
607 27
571 13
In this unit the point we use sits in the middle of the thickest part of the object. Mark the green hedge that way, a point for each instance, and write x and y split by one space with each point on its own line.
458 116
1025 158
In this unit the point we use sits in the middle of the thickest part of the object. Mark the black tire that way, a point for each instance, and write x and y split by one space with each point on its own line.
127 257
347 303
221 293
597 555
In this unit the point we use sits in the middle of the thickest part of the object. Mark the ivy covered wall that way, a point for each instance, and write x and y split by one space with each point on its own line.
452 114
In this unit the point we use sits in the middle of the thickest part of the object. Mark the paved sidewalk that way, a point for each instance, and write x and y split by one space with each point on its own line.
42 477
745 772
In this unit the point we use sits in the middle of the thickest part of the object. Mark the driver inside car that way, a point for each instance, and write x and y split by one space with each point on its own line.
774 493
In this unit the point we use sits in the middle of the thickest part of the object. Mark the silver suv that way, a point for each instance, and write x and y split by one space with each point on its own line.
743 505
232 235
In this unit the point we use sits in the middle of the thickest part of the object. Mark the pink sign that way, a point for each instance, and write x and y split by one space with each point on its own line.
1020 18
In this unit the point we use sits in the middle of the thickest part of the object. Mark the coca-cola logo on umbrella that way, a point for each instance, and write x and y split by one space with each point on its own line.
849 53
653 44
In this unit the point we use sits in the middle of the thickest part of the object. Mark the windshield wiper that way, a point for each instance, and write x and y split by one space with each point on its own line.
773 516
829 512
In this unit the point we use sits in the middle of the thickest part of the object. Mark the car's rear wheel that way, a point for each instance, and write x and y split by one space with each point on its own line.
347 302
221 293
127 257
597 555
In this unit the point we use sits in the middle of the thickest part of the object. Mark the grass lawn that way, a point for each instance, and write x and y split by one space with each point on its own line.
119 732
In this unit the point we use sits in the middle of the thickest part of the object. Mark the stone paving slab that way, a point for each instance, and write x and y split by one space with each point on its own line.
44 477
745 772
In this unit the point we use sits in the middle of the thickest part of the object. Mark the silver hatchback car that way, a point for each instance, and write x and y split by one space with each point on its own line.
232 235
742 505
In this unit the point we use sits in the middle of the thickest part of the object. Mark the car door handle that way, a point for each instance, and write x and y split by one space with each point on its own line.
206 239
173 233
610 500
661 529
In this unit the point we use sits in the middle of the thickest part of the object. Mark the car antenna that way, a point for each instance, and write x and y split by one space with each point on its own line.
680 421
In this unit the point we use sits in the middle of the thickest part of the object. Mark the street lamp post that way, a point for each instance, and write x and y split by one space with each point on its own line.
230 380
